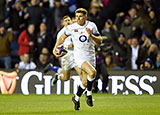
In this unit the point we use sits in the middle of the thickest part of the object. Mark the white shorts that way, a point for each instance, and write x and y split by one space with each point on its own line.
79 62
67 61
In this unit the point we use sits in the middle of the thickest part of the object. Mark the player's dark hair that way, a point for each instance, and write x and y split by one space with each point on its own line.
82 10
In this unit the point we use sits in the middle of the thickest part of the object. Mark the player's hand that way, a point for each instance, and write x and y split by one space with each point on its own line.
55 53
89 31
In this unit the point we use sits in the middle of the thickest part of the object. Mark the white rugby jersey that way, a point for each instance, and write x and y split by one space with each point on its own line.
83 45
68 40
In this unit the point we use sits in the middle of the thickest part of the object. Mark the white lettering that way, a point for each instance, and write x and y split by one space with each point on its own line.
39 88
67 87
47 84
145 86
25 80
131 86
115 85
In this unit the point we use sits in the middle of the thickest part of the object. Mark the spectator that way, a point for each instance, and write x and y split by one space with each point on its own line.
136 54
147 65
44 59
35 14
109 31
26 63
124 24
154 4
56 14
126 27
101 70
158 61
16 23
120 50
148 17
109 63
27 42
152 53
156 40
145 41
43 38
94 16
136 22
129 41
6 37
152 22
15 17
119 19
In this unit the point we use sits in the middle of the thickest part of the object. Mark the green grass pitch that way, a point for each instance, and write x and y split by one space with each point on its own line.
104 104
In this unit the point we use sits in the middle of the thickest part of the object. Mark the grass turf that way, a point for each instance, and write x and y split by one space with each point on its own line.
104 104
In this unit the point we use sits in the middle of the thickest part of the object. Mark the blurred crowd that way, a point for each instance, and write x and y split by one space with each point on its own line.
130 31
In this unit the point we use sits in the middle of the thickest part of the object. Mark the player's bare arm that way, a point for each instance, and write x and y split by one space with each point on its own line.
96 39
59 42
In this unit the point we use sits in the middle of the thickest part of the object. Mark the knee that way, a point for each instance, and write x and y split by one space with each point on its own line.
64 77
84 83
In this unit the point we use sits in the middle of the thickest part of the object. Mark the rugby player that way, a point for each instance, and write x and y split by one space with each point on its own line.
67 61
84 36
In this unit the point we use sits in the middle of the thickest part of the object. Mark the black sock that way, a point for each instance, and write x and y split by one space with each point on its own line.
89 85
80 91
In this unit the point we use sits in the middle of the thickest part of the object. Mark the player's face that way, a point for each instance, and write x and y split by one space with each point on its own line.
67 21
80 18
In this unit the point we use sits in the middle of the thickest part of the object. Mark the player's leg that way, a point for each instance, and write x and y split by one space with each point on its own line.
56 69
91 71
95 82
81 88
76 98
67 64
79 71
84 79
83 76
63 76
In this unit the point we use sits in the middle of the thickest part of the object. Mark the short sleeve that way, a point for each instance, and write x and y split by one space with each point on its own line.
67 31
95 30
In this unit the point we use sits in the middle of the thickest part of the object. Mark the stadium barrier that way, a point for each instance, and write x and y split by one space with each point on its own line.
120 82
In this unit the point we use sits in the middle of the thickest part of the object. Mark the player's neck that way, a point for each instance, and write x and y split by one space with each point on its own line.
82 23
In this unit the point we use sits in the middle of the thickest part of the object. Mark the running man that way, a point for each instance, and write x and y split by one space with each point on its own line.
67 62
84 36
